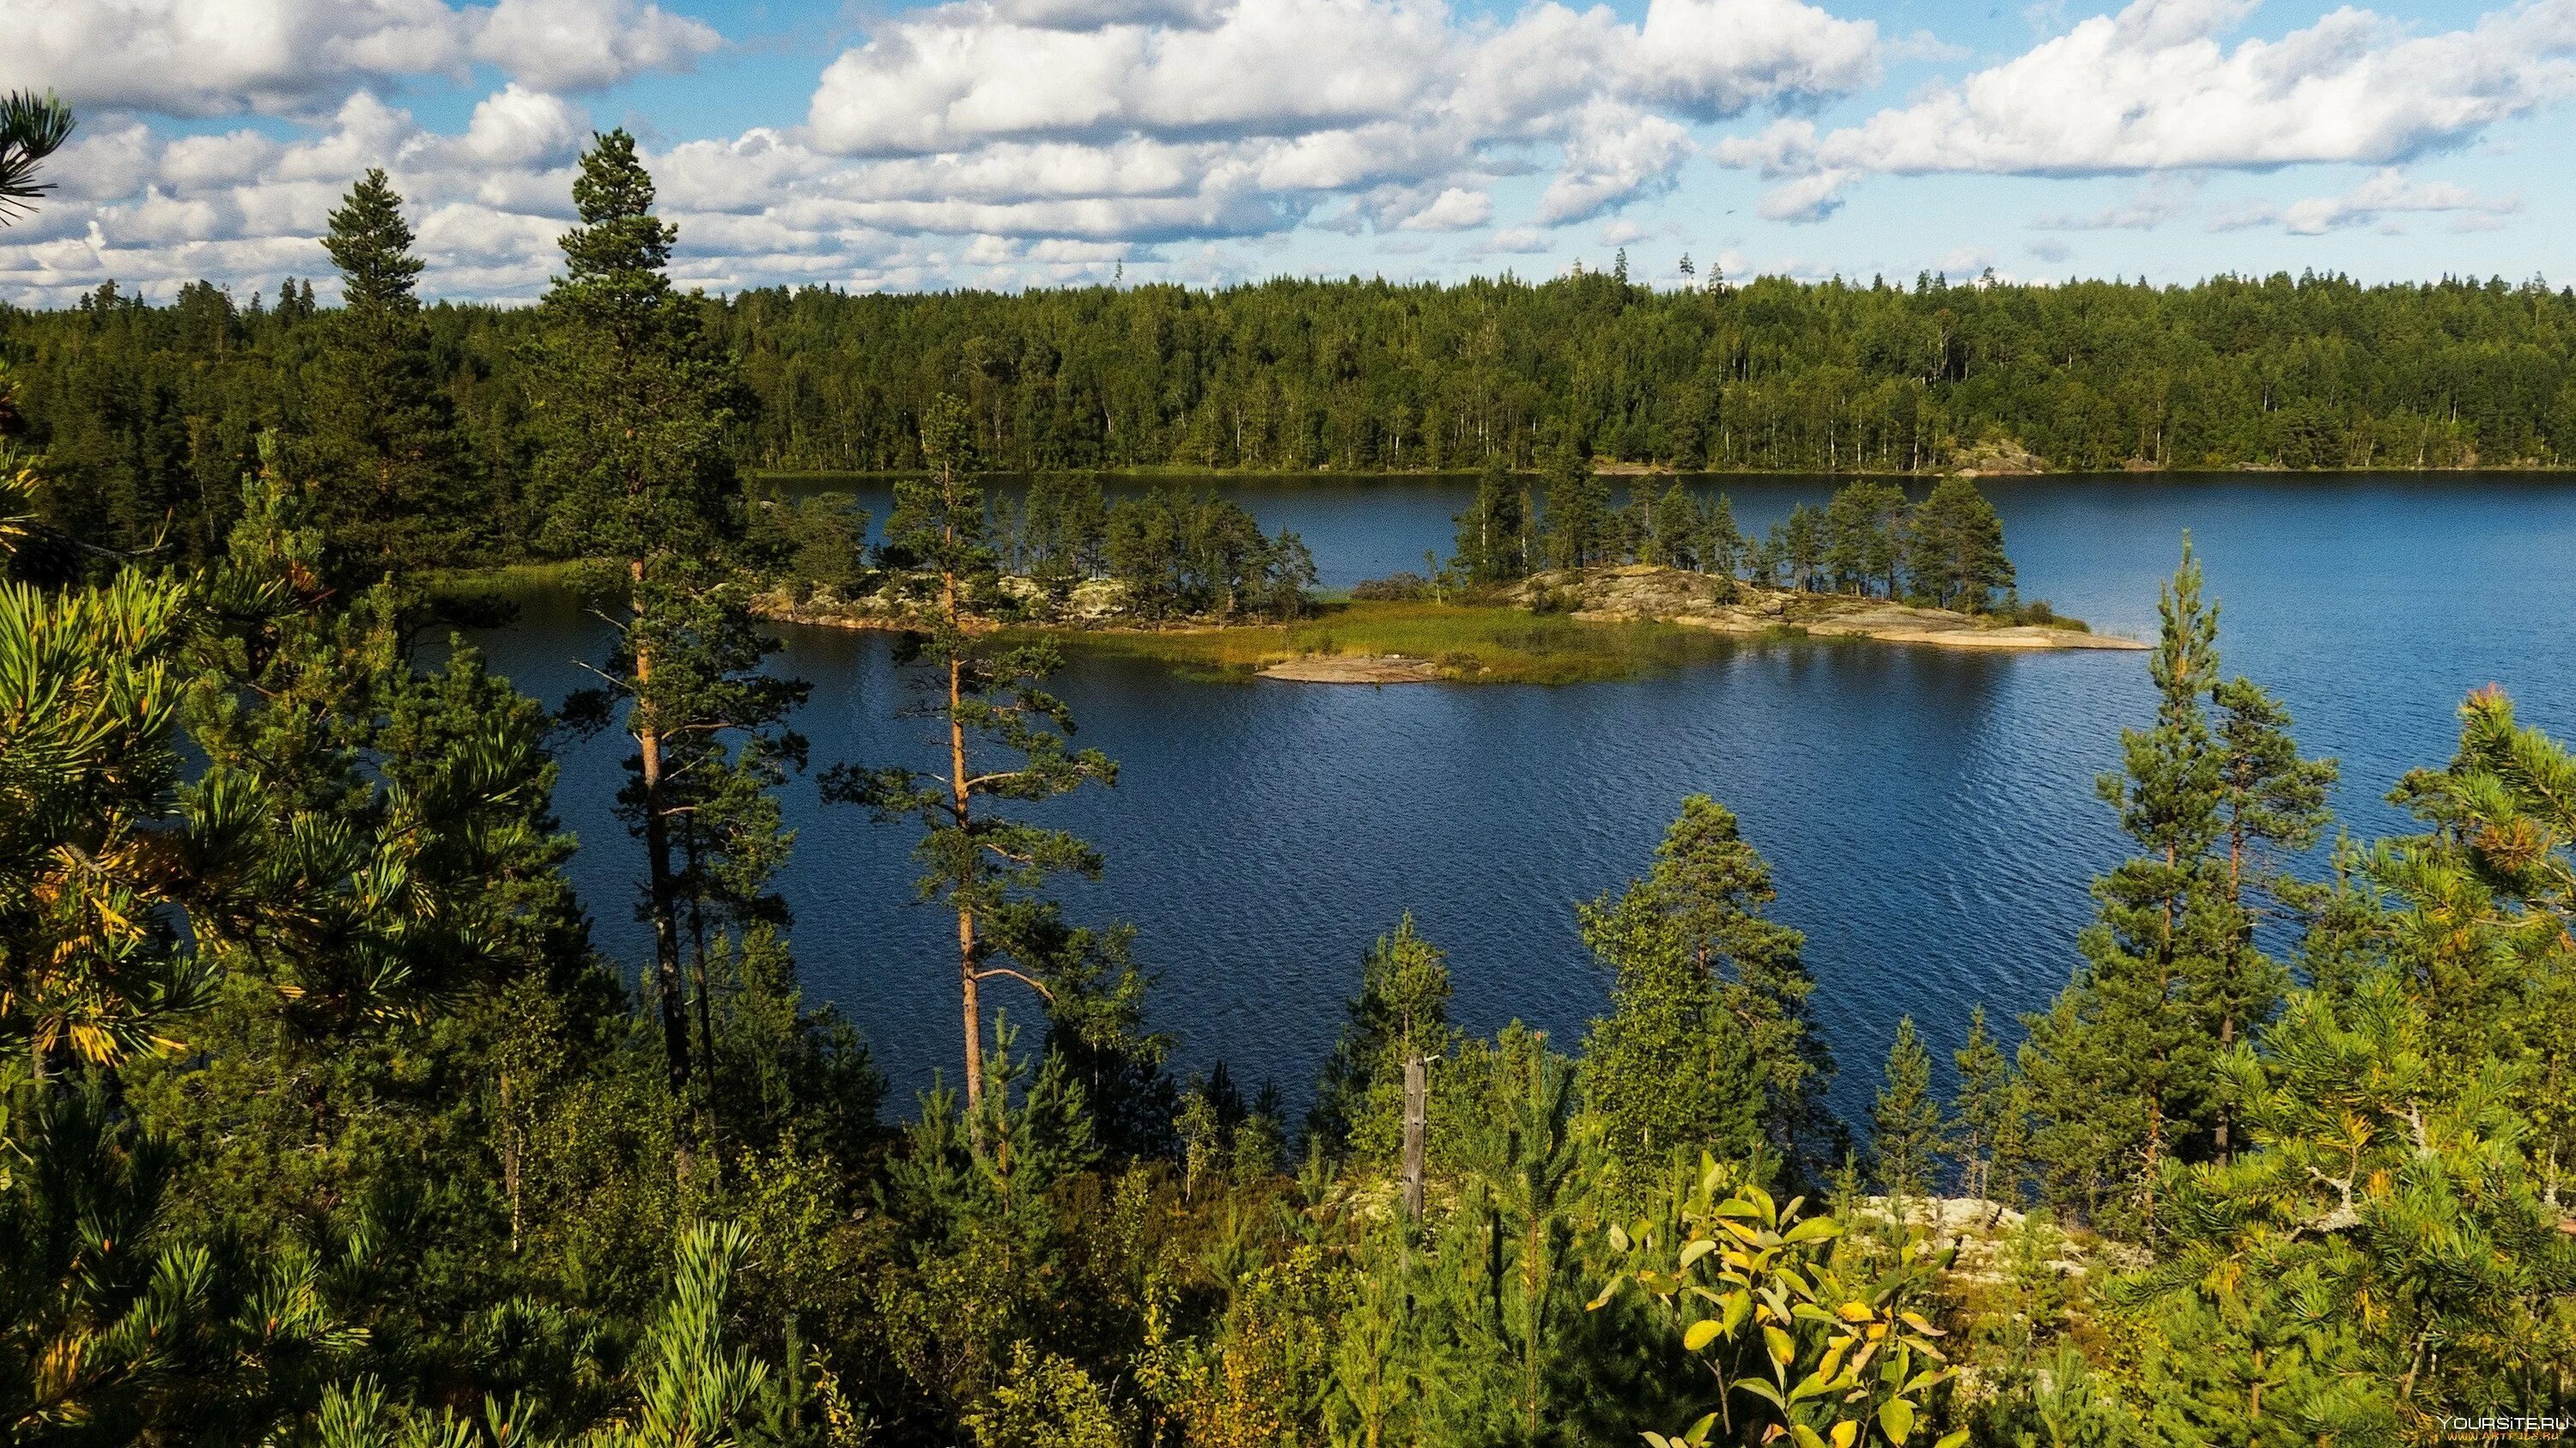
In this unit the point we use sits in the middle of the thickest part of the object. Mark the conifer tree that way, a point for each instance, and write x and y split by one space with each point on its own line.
636 398
1721 545
1905 1120
381 453
1990 1113
2272 803
1489 547
1707 1045
2130 1039
1800 546
1674 539
32 127
986 867
1955 548
1402 1011
1578 509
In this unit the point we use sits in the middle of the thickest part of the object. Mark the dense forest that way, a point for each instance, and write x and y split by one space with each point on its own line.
328 1123
150 411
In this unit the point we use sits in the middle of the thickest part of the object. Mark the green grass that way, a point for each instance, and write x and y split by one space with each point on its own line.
499 577
1470 644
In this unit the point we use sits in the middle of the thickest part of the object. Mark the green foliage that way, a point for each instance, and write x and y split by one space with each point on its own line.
1991 1118
1183 554
2124 1068
1954 549
1906 1131
31 128
1402 1011
393 493
1707 1046
1793 1344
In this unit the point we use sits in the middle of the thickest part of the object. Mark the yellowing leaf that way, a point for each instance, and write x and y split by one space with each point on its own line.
1896 1416
1700 1334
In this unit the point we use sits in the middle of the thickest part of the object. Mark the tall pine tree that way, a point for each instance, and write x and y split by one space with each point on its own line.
635 399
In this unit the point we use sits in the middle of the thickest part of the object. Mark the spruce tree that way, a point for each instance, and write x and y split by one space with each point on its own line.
1905 1119
381 451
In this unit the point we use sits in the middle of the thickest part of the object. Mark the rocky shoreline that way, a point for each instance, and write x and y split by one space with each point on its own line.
1645 593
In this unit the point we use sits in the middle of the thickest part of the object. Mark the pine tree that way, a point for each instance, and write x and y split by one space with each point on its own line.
2272 802
1990 1112
1578 509
1905 1119
1721 544
381 453
1674 539
1955 548
636 400
1489 543
984 866
1707 1045
32 128
2130 1034
1402 1011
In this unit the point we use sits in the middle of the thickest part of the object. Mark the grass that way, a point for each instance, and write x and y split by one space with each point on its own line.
499 577
1471 644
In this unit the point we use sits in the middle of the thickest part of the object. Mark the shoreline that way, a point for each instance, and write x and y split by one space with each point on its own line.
1554 628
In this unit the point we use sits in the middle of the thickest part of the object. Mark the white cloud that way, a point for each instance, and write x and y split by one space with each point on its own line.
1454 209
1392 103
1028 138
2154 88
585 44
2161 199
217 57
2386 193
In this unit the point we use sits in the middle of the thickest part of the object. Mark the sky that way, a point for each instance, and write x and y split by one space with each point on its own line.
1025 143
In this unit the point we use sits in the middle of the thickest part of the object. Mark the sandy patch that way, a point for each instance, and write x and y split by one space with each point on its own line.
1354 669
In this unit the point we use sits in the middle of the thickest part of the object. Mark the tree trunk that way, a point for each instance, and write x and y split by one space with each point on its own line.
1415 1117
657 863
959 806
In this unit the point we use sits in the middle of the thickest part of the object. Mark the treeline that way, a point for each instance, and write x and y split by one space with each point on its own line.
150 411
1868 540
327 1123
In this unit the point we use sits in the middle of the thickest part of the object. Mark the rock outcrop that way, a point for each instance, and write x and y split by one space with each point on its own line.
1641 591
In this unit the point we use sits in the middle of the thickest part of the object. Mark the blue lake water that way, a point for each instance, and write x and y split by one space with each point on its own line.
1930 816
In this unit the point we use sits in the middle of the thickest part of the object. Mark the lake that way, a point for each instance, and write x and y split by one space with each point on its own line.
1929 815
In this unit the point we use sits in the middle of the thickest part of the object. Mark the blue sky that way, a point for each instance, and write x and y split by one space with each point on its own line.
1016 143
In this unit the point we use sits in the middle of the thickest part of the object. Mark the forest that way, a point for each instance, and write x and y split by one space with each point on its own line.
328 1123
150 410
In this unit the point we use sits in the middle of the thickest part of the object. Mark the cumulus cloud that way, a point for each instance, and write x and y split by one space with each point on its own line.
1021 137
2161 199
1382 100
2387 193
2155 87
218 57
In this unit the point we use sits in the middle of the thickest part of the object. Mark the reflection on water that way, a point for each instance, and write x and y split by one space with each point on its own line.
1930 816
